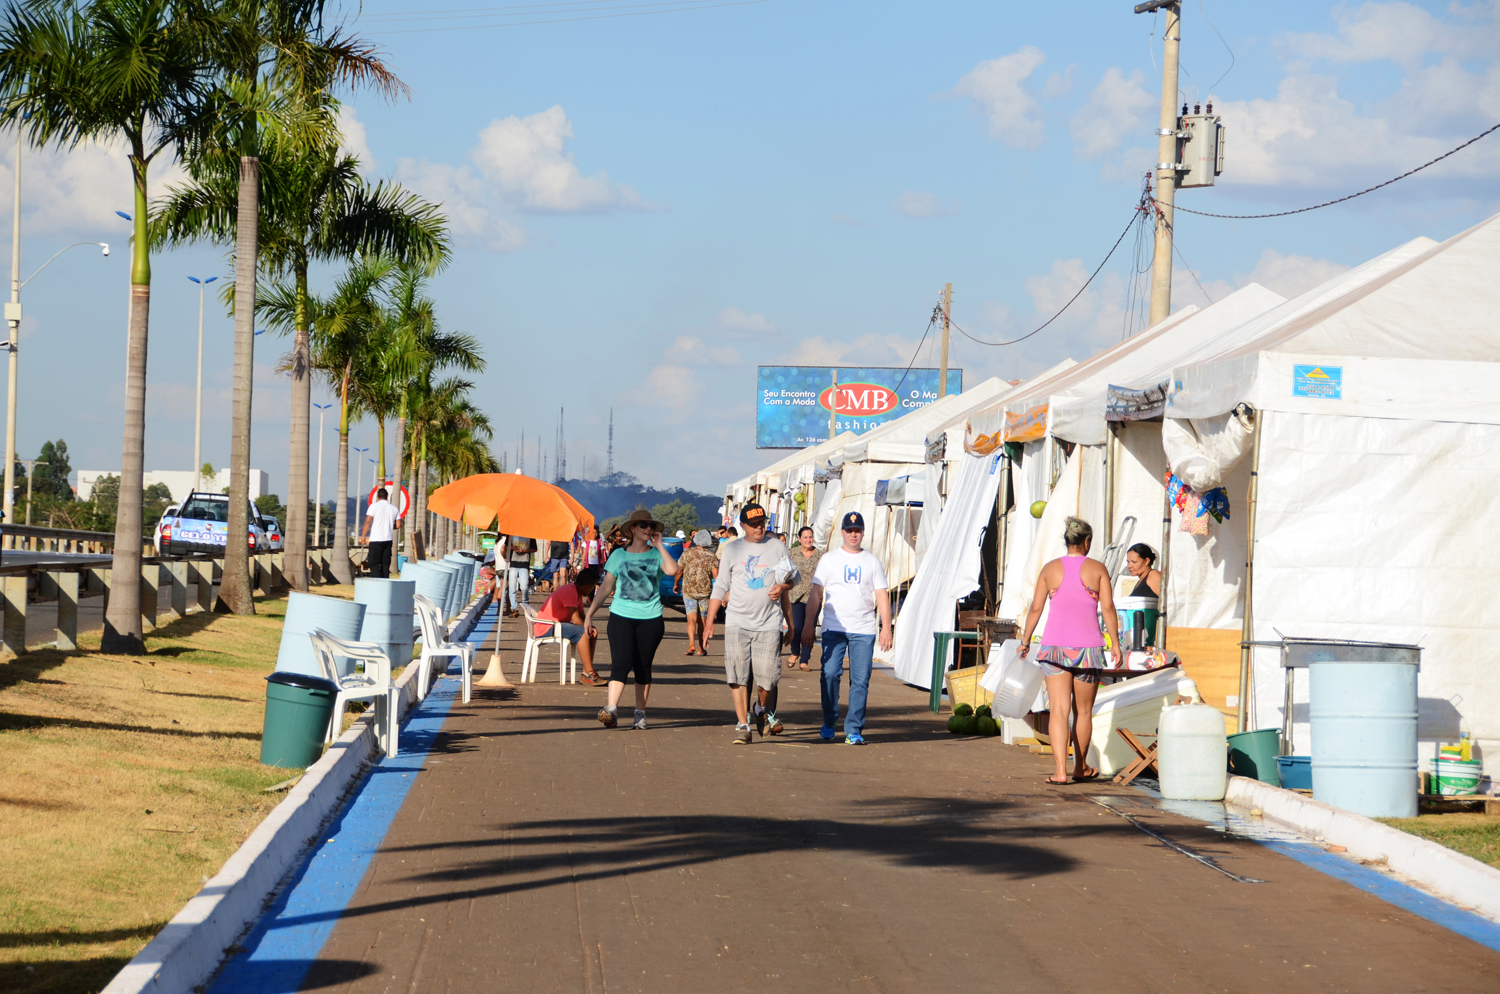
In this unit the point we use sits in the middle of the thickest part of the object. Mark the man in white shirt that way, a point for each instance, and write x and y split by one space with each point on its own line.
380 532
850 588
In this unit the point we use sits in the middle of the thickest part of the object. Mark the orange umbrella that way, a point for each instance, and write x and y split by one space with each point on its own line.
524 506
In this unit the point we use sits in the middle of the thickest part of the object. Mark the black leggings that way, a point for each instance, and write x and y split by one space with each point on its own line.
632 646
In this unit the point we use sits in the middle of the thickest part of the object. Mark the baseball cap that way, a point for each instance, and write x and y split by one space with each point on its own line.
753 514
853 520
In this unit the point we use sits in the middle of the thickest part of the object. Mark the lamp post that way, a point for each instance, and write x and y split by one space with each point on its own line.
31 466
359 485
198 416
318 507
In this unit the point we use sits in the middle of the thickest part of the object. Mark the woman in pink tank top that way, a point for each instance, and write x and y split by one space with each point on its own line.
1071 652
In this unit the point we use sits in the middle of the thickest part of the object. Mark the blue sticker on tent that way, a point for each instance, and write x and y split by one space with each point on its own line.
1322 382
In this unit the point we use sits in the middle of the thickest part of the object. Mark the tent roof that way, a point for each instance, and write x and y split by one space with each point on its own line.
1424 305
959 419
904 440
772 473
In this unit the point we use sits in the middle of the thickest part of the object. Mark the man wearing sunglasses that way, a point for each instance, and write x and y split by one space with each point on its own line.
850 588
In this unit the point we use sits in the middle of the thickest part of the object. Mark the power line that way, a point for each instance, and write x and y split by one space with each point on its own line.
1330 203
1135 216
930 322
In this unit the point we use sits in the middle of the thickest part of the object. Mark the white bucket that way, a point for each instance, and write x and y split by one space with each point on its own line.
1193 753
1454 777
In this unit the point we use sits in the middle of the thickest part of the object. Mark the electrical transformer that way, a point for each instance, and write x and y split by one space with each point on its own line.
1200 144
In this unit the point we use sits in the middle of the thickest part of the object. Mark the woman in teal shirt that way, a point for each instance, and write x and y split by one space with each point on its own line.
633 574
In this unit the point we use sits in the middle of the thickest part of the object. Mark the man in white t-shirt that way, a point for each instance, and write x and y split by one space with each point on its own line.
850 588
380 531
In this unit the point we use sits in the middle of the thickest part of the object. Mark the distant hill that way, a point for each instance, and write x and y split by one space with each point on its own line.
621 493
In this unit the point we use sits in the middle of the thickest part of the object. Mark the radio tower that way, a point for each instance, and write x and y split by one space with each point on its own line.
609 465
562 445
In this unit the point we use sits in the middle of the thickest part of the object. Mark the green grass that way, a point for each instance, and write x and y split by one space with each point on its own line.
128 781
1475 835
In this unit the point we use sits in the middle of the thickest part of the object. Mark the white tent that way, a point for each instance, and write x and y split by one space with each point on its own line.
1378 429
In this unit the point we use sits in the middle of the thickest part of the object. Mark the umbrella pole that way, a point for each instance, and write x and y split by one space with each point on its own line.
493 675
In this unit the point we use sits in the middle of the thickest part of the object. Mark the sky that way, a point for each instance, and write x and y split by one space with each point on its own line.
648 200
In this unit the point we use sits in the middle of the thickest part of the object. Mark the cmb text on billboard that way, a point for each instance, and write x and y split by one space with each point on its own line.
793 403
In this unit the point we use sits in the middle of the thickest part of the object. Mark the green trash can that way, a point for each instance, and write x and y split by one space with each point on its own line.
1253 754
298 709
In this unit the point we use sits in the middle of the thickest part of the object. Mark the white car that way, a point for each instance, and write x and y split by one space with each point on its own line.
167 515
272 529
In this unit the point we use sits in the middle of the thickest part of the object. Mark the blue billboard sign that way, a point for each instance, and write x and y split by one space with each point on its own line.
793 403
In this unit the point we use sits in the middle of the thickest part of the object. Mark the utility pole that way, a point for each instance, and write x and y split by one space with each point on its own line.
1167 165
609 466
13 318
833 407
947 320
31 475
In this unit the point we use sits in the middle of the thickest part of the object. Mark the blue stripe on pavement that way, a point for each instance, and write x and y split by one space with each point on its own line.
283 946
1388 888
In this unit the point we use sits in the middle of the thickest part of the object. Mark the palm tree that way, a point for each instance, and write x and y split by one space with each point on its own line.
279 66
132 70
314 206
459 450
440 414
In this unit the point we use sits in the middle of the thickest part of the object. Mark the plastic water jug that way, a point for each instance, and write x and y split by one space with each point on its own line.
1193 753
1020 680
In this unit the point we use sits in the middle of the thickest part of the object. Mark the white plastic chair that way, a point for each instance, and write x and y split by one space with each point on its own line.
535 643
435 647
373 683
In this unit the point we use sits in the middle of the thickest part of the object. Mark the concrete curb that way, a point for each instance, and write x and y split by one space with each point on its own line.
1452 875
185 954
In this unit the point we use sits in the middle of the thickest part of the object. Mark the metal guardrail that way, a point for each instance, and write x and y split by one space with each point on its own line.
189 578
38 538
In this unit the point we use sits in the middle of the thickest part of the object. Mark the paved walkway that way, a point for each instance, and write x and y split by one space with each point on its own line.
533 850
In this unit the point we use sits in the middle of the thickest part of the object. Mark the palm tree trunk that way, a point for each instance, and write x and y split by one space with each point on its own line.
296 478
296 544
380 452
420 500
235 594
341 571
123 631
396 468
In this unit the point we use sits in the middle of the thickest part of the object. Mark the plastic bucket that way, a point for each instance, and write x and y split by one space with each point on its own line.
1253 755
298 710
305 614
1454 777
1296 772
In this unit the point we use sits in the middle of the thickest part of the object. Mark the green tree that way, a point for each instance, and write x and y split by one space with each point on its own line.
105 499
136 71
314 207
154 502
280 65
677 516
51 480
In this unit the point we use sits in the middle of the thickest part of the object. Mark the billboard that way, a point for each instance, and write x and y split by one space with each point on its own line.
793 403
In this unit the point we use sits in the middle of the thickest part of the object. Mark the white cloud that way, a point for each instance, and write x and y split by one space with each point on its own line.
923 205
77 192
1290 275
1119 108
734 322
670 386
865 350
1398 32
694 351
354 140
520 165
1060 84
997 87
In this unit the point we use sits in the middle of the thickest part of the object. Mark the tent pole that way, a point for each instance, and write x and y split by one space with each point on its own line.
1166 561
1109 486
1247 633
1002 504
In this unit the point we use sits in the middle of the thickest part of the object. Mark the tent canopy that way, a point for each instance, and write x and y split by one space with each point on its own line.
952 430
904 440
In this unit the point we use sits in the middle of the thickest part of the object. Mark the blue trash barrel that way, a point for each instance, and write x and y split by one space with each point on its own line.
470 568
1363 709
434 584
306 613
389 613
455 585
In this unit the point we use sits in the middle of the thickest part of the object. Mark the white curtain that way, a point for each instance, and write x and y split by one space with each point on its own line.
950 570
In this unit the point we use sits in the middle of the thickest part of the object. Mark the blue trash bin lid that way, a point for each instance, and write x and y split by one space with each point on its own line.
303 681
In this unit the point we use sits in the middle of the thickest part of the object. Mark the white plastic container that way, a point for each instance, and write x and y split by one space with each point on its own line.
1194 753
1020 681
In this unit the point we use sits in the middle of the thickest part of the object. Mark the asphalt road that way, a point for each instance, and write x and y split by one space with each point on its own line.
541 852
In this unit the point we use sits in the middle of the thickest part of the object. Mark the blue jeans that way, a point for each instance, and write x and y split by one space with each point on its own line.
861 650
518 585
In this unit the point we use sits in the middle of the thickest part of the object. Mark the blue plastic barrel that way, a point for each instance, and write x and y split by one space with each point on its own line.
470 568
1363 706
434 584
455 586
389 613
306 613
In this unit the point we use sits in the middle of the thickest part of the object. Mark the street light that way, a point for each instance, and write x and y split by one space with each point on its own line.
198 417
359 470
30 475
318 507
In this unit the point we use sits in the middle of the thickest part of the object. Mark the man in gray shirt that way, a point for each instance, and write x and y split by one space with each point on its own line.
753 573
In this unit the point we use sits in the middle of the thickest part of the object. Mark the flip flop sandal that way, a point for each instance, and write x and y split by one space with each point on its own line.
1094 775
1058 783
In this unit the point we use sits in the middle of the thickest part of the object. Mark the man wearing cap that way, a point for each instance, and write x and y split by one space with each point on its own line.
752 580
850 588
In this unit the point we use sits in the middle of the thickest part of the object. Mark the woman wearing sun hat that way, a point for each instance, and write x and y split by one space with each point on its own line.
633 574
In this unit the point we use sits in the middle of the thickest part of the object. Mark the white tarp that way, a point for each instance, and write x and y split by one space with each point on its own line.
950 569
904 440
824 512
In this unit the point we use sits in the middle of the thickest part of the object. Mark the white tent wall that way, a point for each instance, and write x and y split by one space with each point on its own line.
1139 472
1078 492
1394 548
951 569
1030 481
890 545
825 512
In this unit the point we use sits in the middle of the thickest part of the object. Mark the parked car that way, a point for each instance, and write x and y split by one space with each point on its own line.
167 515
272 528
675 547
201 524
